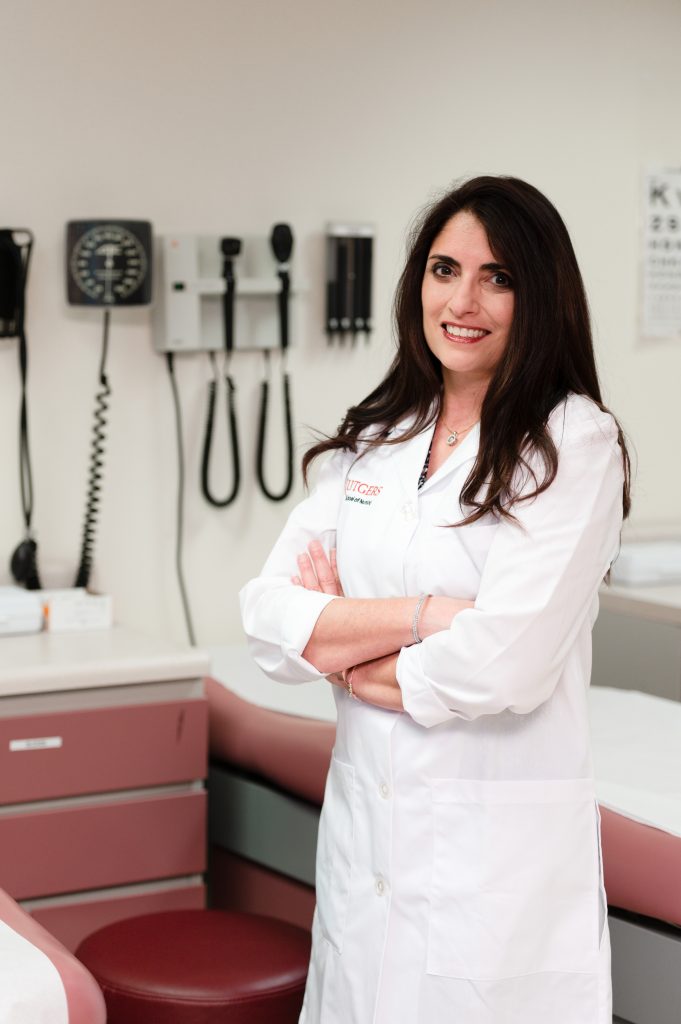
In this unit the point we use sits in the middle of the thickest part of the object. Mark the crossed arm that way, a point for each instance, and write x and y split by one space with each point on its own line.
360 639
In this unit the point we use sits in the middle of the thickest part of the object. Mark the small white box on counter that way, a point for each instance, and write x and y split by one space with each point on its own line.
648 562
20 611
76 608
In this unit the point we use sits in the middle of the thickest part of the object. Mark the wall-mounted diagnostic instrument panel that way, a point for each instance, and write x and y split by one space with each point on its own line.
214 294
195 273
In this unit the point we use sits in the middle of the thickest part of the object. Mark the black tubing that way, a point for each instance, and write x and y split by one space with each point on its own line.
262 430
208 443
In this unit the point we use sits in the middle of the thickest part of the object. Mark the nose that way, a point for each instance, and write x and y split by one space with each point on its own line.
463 297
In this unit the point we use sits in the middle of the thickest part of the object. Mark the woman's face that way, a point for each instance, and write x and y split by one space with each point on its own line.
467 299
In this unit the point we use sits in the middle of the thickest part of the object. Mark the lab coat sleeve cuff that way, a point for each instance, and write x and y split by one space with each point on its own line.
418 698
303 608
278 621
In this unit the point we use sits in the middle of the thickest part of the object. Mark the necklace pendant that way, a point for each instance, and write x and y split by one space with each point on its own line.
452 439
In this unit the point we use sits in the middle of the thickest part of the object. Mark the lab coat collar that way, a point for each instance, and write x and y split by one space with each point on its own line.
413 455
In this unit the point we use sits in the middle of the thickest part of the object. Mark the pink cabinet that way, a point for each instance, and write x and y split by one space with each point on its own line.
103 760
102 749
102 843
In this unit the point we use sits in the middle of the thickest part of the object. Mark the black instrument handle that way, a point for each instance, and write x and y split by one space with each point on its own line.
283 301
228 305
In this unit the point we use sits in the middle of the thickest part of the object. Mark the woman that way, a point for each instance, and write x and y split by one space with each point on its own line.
475 501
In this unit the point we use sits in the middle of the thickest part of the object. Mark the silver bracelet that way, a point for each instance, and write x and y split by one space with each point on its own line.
415 620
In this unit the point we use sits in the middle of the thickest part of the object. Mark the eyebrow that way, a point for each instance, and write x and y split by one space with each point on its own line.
455 263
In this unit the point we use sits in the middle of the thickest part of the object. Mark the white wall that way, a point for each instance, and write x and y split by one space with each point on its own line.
225 116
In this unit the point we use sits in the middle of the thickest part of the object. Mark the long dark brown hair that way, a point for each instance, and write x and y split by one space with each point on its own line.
549 351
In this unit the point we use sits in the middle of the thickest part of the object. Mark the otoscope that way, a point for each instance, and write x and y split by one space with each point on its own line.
230 249
281 242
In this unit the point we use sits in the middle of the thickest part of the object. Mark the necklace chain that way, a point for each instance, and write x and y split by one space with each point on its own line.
454 435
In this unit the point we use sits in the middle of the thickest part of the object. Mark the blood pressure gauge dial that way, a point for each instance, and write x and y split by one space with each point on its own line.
108 262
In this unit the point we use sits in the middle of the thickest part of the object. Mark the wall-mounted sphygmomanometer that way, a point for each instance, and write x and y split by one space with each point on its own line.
349 259
15 255
108 263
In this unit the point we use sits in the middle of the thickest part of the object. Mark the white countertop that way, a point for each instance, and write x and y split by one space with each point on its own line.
48 662
636 743
657 603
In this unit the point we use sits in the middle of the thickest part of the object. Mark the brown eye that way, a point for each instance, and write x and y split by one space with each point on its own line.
502 280
441 270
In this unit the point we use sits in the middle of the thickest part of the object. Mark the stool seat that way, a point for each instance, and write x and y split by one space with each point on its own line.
199 967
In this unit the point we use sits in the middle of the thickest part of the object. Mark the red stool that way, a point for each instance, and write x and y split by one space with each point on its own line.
199 967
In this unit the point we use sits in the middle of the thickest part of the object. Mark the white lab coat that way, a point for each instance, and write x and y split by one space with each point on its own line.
459 876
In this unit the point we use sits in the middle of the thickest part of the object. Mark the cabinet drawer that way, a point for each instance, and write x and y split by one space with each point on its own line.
71 918
97 750
93 844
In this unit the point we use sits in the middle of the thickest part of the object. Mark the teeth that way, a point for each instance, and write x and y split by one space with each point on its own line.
463 332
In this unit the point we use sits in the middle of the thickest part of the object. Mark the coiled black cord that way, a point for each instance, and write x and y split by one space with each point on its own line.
94 489
208 440
262 432
180 499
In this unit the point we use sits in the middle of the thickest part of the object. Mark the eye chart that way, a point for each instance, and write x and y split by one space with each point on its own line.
661 313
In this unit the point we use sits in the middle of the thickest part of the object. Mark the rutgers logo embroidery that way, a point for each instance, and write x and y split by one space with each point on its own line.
361 492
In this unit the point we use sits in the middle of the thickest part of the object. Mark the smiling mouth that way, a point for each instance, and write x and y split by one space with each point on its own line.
467 335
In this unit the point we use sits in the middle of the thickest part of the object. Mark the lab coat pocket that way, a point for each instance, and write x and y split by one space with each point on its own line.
335 852
515 880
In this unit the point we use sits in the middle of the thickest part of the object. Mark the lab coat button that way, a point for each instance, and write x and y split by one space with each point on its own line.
408 512
380 886
384 790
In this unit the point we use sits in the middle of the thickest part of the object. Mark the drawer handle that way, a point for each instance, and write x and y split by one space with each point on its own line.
36 743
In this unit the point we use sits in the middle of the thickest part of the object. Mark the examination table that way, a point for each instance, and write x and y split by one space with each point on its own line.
270 748
38 975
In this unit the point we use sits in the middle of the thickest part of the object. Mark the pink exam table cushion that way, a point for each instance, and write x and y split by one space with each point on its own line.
84 999
292 752
636 739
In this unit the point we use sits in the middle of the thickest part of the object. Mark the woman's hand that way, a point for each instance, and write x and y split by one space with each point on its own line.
375 682
317 572
338 679
438 613
352 632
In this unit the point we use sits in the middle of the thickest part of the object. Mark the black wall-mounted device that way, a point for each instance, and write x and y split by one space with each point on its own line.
349 258
281 244
108 262
15 254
